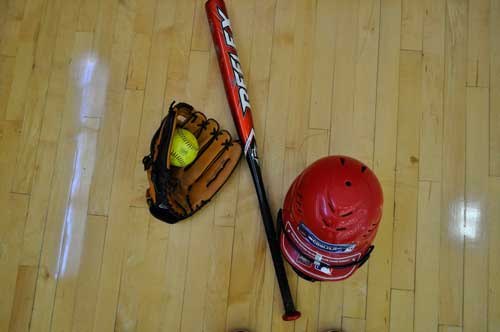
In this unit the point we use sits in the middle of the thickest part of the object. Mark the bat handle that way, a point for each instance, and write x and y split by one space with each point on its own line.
291 312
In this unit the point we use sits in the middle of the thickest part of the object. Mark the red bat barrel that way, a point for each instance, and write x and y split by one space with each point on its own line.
231 71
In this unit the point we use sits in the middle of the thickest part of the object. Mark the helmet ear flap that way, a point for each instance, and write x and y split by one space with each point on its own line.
363 259
280 233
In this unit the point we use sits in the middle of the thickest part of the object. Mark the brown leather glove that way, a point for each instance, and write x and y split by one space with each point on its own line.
175 193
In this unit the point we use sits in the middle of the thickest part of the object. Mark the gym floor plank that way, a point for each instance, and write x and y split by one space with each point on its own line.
409 87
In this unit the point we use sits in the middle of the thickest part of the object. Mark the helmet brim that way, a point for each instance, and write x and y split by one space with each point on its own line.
307 266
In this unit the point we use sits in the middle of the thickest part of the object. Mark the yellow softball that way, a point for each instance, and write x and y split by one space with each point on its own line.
184 148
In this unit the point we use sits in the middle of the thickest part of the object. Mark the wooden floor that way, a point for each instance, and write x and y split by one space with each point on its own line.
411 88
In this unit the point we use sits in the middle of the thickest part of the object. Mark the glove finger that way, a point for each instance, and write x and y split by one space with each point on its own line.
193 122
201 127
210 128
184 112
215 176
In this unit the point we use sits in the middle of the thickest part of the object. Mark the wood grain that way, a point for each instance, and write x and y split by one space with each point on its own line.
402 306
476 225
411 88
408 154
453 171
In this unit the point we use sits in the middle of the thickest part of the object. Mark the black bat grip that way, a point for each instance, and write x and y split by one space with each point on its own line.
291 312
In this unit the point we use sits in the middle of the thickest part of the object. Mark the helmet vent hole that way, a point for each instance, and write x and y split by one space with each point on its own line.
341 229
342 161
331 207
363 169
346 214
348 183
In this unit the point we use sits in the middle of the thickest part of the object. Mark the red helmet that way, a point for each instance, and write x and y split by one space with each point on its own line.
330 217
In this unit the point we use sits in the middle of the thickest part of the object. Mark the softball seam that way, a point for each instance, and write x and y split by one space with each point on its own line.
186 140
178 157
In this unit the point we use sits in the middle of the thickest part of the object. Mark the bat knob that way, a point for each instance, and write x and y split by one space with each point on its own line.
291 316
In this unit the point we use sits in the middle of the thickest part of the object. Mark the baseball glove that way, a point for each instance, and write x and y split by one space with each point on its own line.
176 193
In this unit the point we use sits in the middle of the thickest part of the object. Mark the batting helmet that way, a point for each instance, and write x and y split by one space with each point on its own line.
329 219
